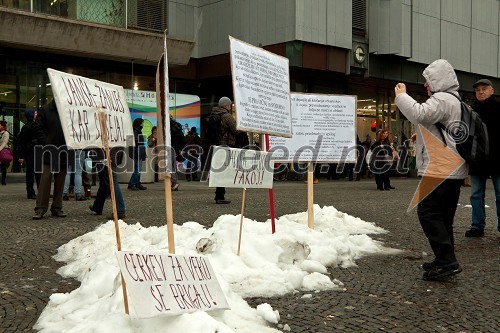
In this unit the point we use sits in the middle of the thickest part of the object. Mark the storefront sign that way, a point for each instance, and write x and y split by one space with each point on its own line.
324 130
169 284
78 100
242 168
261 85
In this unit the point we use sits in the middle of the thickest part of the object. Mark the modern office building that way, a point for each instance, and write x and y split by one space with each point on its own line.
357 47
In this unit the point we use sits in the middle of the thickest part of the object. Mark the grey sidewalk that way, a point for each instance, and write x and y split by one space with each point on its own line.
384 293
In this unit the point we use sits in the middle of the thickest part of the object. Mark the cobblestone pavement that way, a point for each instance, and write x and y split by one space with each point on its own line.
383 293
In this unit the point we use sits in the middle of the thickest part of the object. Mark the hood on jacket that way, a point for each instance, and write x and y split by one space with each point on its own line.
441 77
219 110
29 114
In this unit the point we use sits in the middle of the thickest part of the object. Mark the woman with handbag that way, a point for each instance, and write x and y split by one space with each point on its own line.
5 151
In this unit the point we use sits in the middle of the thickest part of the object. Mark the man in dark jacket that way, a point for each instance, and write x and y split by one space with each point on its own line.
50 134
27 142
227 138
138 154
489 110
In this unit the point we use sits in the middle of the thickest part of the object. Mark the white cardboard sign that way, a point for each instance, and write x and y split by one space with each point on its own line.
242 168
261 84
78 100
169 284
324 130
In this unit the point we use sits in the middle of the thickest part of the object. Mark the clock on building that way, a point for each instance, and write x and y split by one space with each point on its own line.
359 54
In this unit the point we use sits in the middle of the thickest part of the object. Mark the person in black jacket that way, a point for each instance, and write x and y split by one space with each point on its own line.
192 152
50 134
116 157
138 154
382 155
27 142
489 110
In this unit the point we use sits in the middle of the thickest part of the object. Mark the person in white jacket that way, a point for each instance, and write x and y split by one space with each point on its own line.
436 211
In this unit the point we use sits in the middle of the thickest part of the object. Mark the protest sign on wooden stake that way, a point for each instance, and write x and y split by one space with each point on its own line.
170 284
78 99
241 218
165 151
324 132
310 195
104 138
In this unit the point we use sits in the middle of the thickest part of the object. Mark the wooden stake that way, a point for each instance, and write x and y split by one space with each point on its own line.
310 196
241 219
104 139
170 214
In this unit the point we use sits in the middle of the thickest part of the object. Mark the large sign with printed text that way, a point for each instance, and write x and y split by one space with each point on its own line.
261 84
324 130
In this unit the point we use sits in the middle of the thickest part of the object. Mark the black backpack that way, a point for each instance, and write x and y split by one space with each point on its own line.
177 135
470 136
213 134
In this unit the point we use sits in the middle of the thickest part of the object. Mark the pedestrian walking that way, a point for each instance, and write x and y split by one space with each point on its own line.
54 154
436 211
220 130
489 109
26 152
383 157
138 154
5 151
75 167
116 156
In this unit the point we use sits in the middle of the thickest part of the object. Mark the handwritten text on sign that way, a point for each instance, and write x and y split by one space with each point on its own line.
242 168
170 284
78 100
324 129
261 83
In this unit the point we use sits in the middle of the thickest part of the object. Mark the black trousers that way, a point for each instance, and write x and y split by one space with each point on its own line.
436 213
31 176
220 192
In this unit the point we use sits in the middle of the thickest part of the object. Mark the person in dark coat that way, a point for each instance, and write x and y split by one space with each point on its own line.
50 134
116 156
382 155
228 138
27 142
138 154
192 152
489 109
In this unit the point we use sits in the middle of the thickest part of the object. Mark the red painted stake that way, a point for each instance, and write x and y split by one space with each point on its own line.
271 194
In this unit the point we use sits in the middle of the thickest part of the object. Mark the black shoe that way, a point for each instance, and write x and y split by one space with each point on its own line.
222 201
437 273
133 188
3 182
33 196
65 197
392 187
140 187
120 216
58 213
37 216
474 232
91 207
428 266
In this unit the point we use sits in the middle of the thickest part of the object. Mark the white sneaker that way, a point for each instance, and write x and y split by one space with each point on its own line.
175 187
